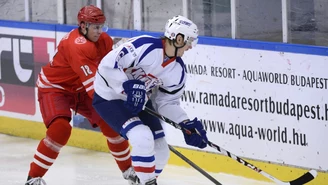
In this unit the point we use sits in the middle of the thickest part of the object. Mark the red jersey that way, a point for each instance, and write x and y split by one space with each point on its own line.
75 63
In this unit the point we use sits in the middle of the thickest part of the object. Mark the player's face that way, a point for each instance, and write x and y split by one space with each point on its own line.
94 31
181 51
186 45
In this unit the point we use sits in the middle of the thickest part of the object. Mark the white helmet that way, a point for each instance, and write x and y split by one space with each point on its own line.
182 25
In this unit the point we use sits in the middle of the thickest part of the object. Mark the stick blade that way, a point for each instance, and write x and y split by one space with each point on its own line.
307 177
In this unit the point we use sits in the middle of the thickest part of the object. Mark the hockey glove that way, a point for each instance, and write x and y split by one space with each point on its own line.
195 139
136 94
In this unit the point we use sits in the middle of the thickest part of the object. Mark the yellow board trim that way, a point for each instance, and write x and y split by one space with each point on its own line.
208 161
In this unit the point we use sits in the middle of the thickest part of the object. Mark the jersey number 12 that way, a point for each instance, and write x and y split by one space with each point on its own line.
86 70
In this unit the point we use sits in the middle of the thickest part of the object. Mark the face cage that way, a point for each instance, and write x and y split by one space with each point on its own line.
192 41
103 27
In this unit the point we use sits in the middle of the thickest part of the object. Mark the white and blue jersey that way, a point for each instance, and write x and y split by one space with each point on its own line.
143 58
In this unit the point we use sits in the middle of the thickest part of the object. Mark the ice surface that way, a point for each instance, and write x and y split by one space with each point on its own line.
76 166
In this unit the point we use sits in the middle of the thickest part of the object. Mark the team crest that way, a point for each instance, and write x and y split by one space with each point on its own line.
80 40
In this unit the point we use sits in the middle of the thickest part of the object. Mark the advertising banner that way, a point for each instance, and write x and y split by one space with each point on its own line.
265 105
22 53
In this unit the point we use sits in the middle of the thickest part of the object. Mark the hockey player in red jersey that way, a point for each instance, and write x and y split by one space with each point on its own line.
65 84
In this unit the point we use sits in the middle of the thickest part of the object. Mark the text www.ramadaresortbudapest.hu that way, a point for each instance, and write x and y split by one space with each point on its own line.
278 134
265 105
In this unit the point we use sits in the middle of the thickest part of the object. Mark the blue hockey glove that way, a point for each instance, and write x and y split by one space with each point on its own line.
136 94
195 139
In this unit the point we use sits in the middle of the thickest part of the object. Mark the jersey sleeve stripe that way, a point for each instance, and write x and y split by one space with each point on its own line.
90 80
41 85
46 81
79 88
170 92
89 88
144 40
155 45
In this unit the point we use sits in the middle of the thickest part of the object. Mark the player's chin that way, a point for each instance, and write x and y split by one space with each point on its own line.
180 54
95 39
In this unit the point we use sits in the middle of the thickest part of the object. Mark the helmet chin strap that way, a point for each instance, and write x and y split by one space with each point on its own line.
86 30
177 47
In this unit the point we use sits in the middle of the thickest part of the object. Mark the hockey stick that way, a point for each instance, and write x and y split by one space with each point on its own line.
208 176
305 178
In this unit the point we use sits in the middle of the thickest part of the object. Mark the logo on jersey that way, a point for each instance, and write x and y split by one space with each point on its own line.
131 50
130 47
80 40
151 81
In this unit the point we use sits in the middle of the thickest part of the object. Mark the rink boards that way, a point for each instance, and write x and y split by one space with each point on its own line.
266 102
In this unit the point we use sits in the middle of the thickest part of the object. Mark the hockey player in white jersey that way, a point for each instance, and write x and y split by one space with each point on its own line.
148 67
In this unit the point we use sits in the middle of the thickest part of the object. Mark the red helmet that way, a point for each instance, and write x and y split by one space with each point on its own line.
91 14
